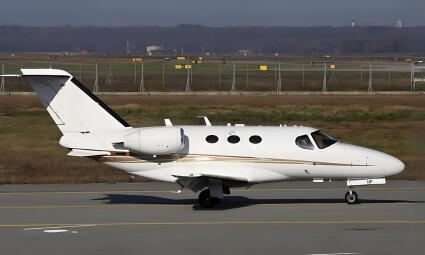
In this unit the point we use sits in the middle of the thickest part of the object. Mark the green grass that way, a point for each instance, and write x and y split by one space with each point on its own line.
270 115
30 153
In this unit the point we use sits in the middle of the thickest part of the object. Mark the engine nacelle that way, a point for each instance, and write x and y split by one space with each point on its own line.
155 140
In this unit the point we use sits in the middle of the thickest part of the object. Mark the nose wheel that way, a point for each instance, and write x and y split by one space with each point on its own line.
351 197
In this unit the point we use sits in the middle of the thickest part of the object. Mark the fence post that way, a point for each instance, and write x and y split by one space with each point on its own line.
110 74
219 76
135 72
279 81
80 70
370 87
234 78
247 81
324 79
188 80
96 80
303 76
2 78
412 77
163 76
22 78
142 82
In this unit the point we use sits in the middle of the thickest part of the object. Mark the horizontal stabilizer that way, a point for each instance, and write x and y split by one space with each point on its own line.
87 153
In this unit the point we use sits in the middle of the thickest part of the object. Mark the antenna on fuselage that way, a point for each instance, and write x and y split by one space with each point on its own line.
168 122
207 121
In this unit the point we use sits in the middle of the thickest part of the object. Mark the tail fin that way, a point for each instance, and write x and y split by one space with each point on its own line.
72 106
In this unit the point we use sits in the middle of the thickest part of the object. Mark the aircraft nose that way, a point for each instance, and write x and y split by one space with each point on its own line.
392 165
397 165
378 164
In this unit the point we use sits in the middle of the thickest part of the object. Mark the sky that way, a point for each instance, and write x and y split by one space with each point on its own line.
211 13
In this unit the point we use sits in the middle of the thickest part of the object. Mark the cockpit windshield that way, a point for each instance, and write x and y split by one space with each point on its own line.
322 139
304 142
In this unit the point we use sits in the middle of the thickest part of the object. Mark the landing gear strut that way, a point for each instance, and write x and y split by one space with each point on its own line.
205 199
351 197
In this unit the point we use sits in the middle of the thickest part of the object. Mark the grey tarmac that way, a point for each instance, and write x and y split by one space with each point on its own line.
149 218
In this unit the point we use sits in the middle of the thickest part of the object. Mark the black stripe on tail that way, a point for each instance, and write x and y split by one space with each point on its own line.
102 104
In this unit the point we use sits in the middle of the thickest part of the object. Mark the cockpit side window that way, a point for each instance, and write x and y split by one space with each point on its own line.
304 142
323 140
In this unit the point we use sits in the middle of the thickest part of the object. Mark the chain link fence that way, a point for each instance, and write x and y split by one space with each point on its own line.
127 75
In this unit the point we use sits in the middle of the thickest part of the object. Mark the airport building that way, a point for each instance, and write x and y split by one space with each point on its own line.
159 50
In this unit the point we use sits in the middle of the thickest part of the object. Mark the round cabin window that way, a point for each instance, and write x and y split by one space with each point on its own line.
233 139
211 139
255 139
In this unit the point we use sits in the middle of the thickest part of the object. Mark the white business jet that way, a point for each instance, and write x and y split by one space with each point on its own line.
206 158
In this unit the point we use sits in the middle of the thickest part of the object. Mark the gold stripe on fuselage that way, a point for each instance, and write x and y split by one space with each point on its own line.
134 158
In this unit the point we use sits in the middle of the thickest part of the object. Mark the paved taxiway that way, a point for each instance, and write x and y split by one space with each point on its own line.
146 218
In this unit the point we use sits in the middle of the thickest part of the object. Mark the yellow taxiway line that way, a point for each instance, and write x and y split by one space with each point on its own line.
187 205
170 191
114 224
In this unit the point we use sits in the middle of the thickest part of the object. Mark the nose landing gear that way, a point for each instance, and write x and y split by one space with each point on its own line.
351 197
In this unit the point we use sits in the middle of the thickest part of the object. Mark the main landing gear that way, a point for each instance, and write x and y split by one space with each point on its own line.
205 199
213 195
351 197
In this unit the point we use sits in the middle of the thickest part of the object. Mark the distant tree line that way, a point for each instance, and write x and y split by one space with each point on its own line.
217 40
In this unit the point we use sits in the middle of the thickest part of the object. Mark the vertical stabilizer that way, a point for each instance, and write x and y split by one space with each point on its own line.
73 108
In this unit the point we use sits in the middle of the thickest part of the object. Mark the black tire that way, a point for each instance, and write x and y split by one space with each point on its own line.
351 198
205 200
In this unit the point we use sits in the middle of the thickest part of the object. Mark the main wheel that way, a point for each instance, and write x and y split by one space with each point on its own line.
351 197
205 200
